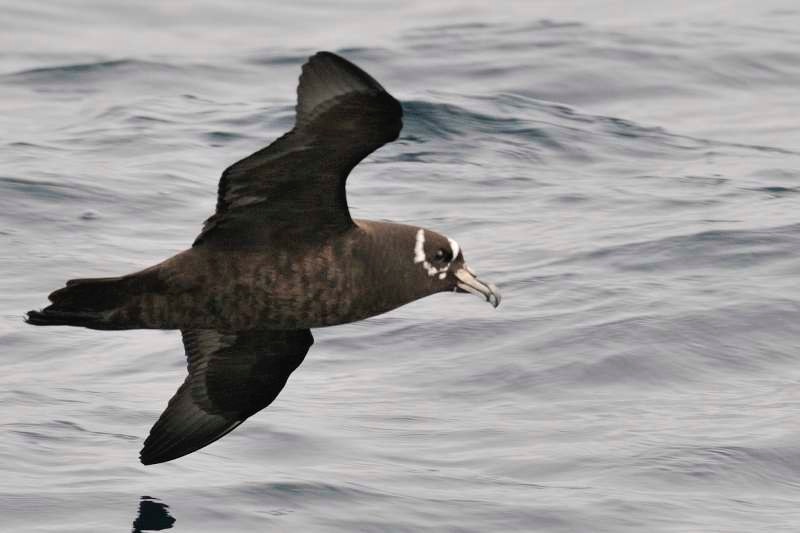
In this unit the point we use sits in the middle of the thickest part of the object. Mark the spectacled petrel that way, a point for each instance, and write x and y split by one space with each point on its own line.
280 255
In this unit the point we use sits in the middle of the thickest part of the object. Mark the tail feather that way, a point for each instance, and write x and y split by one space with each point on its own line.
50 317
83 302
95 294
91 302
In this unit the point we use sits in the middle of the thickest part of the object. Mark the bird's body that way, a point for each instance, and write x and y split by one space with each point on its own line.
296 286
281 255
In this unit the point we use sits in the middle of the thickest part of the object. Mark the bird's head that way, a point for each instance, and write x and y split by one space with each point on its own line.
441 260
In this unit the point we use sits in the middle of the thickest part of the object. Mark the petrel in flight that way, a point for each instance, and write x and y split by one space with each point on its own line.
280 255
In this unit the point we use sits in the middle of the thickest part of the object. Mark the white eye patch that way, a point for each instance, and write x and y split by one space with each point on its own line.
419 255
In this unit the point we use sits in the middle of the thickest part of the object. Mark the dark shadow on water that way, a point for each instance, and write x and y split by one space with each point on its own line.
153 516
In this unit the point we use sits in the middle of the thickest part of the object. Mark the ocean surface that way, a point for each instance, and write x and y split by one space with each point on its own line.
628 173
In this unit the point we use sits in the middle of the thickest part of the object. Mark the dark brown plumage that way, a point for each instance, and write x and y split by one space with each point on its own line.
280 255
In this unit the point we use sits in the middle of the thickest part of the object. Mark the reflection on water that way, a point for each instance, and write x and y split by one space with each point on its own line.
153 516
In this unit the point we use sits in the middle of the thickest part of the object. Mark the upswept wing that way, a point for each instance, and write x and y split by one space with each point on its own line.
231 377
295 187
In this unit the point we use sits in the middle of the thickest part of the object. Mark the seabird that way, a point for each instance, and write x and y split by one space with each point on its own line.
280 255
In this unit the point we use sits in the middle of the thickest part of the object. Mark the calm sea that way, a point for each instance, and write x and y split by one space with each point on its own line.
627 172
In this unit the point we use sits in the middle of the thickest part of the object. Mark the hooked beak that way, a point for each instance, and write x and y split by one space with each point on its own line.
467 282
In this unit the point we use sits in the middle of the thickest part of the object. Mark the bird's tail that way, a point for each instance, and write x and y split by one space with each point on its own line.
91 303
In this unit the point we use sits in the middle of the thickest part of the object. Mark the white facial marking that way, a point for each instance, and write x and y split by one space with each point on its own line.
419 255
419 247
453 248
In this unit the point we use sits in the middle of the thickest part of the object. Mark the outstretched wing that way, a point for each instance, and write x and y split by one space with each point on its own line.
295 187
231 377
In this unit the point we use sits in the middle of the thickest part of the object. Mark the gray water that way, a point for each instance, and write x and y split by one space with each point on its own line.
627 172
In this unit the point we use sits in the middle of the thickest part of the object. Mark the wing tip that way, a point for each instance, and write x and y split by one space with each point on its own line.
148 460
153 457
324 53
162 447
326 75
152 453
335 60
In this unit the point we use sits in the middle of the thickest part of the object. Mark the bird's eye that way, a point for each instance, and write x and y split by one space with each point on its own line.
443 255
